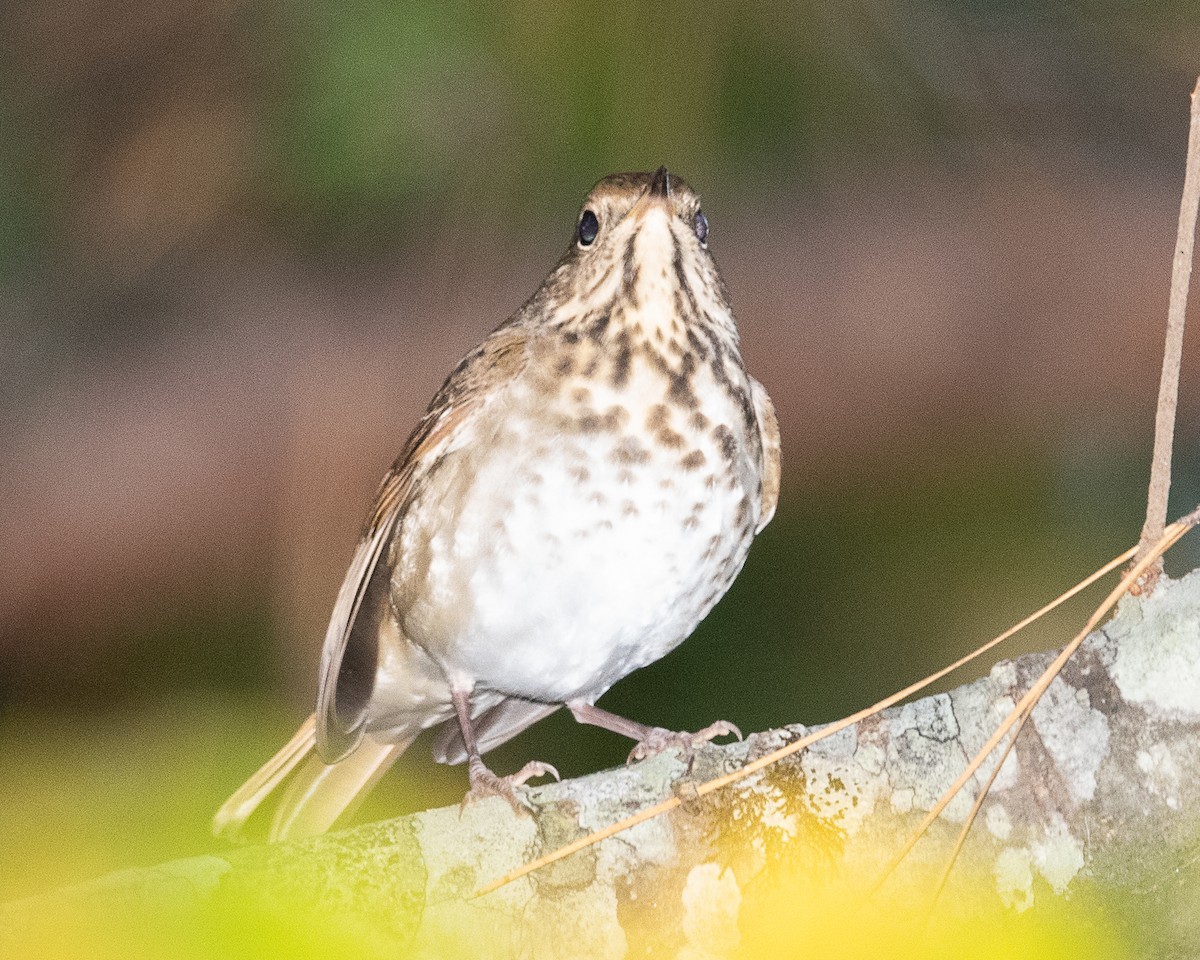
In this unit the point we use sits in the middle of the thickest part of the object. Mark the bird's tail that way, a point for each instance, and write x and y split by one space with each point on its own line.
317 793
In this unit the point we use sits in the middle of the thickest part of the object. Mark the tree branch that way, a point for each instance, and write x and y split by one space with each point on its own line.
1102 789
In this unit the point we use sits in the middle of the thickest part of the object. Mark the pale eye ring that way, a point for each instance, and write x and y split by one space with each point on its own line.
589 226
702 228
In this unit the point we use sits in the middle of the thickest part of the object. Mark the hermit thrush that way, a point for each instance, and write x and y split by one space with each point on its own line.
581 491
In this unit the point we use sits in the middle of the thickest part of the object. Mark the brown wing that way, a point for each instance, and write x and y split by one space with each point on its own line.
768 429
350 655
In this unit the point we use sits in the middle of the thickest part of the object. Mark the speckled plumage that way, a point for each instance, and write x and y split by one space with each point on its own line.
582 490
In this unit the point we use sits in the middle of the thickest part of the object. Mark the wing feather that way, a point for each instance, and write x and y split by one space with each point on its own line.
768 429
349 656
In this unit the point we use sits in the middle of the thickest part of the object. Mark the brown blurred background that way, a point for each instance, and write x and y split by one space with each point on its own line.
241 244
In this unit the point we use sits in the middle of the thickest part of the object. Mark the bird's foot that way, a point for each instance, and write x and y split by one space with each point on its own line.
657 740
484 783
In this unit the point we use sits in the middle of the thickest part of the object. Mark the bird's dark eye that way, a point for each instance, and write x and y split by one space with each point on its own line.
589 226
701 227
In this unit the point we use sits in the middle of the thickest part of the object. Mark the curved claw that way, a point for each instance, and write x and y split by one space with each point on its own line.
484 783
535 768
657 740
719 729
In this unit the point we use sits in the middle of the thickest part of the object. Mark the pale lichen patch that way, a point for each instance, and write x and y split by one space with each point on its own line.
841 789
902 800
1161 771
483 840
1013 871
1075 736
979 711
581 925
1010 771
928 768
998 822
773 814
461 850
1004 674
924 752
1165 673
711 902
602 798
1058 857
933 718
871 757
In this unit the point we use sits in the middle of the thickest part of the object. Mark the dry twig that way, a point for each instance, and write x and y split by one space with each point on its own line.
1168 386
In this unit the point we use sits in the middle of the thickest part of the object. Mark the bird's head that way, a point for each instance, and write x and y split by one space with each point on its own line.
640 255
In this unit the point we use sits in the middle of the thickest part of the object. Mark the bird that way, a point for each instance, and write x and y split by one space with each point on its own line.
581 491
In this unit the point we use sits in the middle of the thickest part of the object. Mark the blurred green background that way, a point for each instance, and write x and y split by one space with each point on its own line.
241 243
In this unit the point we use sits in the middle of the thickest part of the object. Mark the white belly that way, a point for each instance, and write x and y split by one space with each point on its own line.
560 563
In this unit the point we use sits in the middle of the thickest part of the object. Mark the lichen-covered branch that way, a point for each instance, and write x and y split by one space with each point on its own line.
1101 796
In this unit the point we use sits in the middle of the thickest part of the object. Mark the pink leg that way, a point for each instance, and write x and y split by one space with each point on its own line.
484 783
650 740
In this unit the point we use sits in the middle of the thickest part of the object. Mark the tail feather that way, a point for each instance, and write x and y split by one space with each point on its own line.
246 799
317 793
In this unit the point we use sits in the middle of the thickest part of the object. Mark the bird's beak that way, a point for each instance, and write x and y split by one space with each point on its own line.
657 193
660 184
